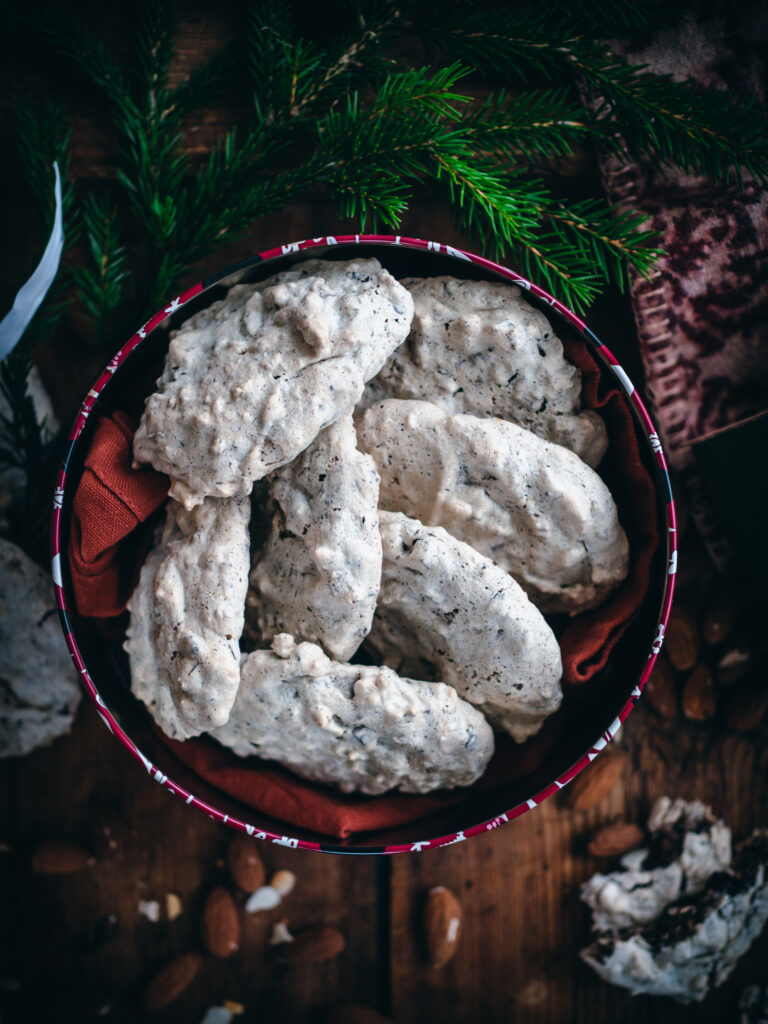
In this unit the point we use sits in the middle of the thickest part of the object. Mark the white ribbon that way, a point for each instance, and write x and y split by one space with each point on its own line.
31 294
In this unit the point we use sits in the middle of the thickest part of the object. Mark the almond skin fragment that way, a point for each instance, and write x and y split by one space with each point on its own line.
246 867
682 640
442 925
311 946
661 690
59 857
221 925
596 781
614 840
169 983
699 698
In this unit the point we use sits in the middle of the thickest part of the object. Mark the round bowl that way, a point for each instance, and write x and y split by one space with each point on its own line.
592 721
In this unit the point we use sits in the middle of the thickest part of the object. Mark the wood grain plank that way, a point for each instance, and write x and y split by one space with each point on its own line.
165 846
523 921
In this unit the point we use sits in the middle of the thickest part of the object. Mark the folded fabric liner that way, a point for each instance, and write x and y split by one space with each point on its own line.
112 525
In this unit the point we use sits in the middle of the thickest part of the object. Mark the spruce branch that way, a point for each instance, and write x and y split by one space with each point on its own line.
101 283
710 133
612 240
153 49
333 111
536 125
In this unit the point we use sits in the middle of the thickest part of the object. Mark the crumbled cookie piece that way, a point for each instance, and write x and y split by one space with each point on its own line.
252 379
687 844
354 726
533 507
39 690
318 575
695 942
442 600
479 347
187 613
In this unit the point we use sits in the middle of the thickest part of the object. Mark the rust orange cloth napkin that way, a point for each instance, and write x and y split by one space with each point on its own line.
112 504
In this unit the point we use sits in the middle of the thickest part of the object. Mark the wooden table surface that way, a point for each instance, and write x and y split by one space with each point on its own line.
519 885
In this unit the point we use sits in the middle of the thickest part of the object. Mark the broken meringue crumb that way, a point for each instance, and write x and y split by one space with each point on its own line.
150 909
677 919
217 1015
265 898
280 933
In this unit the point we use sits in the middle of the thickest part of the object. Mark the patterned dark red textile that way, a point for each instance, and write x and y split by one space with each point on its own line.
702 314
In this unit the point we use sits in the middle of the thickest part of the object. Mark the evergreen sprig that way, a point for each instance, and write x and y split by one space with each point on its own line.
331 109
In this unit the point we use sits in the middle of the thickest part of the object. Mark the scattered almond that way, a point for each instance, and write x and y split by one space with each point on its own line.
173 906
699 699
283 882
169 983
442 925
682 640
734 662
747 706
661 689
596 781
221 925
245 865
719 616
311 946
614 840
236 1009
59 857
265 898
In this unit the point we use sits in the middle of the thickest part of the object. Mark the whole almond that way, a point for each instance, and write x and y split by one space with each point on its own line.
221 924
613 840
681 641
442 925
311 946
596 781
747 706
699 698
169 983
246 867
59 857
719 616
661 689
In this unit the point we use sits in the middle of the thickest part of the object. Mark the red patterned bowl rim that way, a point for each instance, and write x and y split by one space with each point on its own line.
58 544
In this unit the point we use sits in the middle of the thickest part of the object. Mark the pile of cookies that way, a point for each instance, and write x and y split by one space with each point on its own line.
428 476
